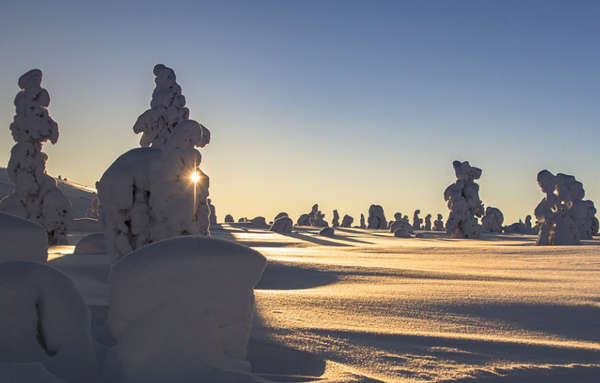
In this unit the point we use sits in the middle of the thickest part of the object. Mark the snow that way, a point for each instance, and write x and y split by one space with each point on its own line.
44 319
26 373
22 240
91 244
282 224
85 224
187 302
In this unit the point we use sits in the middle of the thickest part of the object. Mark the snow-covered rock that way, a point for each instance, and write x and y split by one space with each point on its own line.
229 219
282 224
327 232
157 192
438 224
44 319
22 240
94 243
35 195
492 220
463 202
180 308
376 218
347 221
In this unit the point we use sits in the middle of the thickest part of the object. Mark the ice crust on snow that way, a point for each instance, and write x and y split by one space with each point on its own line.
22 240
44 319
147 194
492 220
187 302
35 196
463 202
376 218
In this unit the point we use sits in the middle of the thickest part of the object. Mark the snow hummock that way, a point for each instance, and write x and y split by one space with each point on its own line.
44 319
94 243
157 192
35 196
181 307
22 240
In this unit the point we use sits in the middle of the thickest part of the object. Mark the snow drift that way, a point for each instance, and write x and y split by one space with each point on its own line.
22 240
180 308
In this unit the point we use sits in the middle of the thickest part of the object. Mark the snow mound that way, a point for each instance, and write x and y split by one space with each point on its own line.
94 243
85 224
44 319
22 240
180 308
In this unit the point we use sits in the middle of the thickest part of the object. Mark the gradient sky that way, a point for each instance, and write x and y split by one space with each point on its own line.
338 102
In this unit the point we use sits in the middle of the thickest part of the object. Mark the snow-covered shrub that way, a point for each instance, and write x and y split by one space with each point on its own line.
94 243
35 196
492 220
438 224
22 240
157 192
463 202
180 306
282 224
44 319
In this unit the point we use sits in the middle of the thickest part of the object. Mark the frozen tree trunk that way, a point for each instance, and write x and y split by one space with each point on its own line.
35 196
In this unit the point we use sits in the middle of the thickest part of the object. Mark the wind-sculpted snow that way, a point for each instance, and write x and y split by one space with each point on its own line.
45 320
35 196
22 240
564 217
180 308
376 218
157 192
492 220
463 202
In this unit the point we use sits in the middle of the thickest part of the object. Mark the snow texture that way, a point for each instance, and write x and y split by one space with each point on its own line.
229 219
44 319
438 224
22 240
463 202
35 196
347 221
564 217
181 307
314 218
282 224
376 218
94 243
147 194
417 222
335 222
492 220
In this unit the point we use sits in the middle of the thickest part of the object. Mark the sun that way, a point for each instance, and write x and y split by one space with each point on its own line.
195 177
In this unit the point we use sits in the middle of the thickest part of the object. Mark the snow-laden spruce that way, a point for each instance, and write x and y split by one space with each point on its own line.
563 216
181 307
314 218
463 202
282 223
157 192
438 224
376 218
347 221
492 220
22 240
417 221
35 195
45 320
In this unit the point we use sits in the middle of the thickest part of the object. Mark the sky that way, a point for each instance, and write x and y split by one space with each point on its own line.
341 103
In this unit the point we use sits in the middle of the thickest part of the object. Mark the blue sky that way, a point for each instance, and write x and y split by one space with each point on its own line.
338 102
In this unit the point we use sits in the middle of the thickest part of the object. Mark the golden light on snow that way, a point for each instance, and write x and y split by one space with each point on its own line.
195 177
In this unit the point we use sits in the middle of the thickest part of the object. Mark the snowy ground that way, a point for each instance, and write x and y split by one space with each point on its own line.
367 307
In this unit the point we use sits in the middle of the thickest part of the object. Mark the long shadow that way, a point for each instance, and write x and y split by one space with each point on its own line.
282 276
349 239
580 322
317 241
